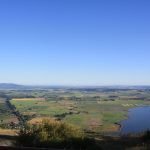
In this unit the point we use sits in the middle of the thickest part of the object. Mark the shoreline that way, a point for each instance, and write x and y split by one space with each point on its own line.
120 125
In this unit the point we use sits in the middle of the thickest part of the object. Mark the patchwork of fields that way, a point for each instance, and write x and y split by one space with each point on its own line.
93 111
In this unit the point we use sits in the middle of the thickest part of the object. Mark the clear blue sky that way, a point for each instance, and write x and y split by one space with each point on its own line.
75 42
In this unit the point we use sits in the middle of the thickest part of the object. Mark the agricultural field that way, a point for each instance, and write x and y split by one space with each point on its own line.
92 110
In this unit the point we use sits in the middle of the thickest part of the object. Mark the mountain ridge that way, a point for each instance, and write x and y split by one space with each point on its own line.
13 86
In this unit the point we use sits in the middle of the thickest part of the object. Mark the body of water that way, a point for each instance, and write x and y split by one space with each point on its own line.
138 120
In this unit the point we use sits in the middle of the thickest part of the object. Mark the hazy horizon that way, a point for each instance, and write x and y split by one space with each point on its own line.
65 85
75 43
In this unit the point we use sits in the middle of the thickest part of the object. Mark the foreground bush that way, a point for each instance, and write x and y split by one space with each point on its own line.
146 135
54 134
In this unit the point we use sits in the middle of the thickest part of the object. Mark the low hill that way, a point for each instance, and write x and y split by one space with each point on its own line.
9 86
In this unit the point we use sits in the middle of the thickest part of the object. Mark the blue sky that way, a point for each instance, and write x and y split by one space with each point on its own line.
75 42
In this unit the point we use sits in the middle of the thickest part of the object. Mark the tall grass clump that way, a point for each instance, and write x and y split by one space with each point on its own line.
55 134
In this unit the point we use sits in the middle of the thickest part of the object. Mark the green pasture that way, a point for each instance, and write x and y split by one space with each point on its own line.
88 113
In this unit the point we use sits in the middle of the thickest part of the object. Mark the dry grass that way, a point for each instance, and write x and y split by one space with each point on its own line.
112 128
29 99
39 120
8 132
12 119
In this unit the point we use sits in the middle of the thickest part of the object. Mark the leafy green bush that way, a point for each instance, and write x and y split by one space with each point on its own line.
54 134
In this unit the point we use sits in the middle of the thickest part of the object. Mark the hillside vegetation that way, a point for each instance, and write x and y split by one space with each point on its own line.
56 134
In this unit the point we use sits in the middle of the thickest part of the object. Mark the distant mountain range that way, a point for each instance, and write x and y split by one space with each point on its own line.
12 86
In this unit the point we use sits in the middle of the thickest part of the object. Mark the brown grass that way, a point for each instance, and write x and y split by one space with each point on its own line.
8 132
29 99
39 120
112 128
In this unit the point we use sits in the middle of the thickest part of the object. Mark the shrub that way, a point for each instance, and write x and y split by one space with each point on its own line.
54 134
146 135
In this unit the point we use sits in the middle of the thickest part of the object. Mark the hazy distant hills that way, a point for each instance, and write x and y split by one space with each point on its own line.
12 86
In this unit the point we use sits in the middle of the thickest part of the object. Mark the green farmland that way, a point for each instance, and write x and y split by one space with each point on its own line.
92 111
